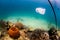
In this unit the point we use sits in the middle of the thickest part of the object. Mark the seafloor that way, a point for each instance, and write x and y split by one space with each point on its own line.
18 31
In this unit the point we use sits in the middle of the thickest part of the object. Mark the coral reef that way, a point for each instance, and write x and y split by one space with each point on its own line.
20 32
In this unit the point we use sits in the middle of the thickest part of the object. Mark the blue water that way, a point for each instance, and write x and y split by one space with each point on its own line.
24 10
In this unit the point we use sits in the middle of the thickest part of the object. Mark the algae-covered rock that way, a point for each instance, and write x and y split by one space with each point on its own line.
52 31
53 34
19 25
4 25
39 35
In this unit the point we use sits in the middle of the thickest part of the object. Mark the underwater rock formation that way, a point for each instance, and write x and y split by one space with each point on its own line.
53 34
24 35
21 32
19 25
4 24
39 35
14 32
52 31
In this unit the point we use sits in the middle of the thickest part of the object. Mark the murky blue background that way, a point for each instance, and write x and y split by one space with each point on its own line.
24 11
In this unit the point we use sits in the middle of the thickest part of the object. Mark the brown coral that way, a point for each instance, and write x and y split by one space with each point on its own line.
14 32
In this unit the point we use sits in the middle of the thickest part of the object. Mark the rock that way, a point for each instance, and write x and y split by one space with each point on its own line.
54 37
39 35
53 34
52 31
6 37
2 33
4 25
19 25
58 33
44 36
23 34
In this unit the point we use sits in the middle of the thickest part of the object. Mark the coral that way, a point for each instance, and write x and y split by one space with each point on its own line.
14 32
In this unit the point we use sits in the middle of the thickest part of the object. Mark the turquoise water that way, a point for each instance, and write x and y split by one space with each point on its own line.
25 12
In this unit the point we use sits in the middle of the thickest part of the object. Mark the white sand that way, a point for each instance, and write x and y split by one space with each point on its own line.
31 22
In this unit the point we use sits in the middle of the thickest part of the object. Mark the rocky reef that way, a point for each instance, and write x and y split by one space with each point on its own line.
18 31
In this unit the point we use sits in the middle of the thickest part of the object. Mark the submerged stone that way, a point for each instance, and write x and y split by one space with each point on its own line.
39 35
19 25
